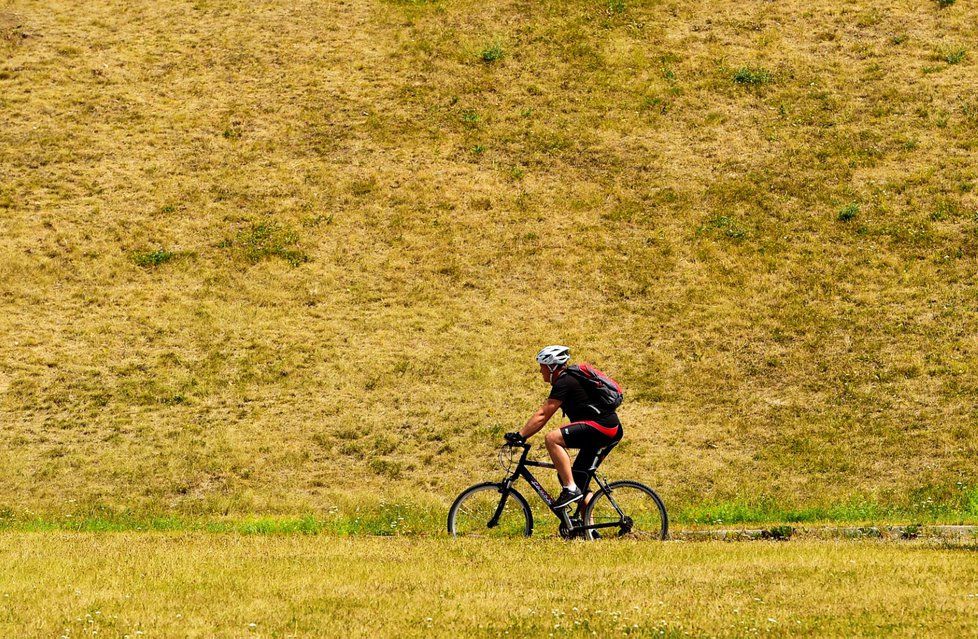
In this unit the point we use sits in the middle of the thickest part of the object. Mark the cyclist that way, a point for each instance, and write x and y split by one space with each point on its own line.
590 430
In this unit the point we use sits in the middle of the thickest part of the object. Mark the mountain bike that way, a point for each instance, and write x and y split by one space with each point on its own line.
626 509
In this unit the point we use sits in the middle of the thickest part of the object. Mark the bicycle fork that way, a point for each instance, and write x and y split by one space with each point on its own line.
494 520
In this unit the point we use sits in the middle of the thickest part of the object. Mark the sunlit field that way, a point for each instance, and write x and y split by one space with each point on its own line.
206 585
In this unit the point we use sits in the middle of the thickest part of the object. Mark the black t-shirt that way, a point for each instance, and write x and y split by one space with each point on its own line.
576 404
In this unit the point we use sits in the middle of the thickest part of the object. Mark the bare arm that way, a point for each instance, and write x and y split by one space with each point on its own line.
540 418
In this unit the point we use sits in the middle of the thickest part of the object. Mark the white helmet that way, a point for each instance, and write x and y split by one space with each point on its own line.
553 356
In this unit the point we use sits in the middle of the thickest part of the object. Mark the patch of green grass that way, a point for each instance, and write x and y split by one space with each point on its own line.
848 212
277 526
766 510
152 258
943 4
492 53
616 7
928 505
752 76
265 240
724 225
231 132
655 104
952 54
946 209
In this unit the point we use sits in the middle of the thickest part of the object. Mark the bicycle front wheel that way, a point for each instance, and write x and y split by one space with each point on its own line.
472 513
629 510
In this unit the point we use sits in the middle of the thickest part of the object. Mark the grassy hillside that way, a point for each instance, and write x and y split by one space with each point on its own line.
274 256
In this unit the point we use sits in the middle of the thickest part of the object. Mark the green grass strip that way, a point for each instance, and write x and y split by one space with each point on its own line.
408 519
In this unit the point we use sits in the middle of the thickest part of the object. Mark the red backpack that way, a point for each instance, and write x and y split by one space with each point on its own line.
600 387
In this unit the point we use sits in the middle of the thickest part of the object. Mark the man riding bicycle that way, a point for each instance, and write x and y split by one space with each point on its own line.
591 429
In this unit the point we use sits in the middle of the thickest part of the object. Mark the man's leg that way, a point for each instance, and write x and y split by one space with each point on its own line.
559 456
582 468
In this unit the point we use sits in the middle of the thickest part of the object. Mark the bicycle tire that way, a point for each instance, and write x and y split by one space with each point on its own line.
649 519
516 520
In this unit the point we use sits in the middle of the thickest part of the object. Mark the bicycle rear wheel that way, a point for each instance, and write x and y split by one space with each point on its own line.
473 510
629 510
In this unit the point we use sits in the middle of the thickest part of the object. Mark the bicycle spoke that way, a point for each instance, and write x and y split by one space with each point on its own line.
472 513
630 511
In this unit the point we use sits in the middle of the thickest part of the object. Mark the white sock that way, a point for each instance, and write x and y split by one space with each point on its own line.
571 487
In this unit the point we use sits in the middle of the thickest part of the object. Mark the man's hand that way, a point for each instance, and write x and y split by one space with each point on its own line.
514 439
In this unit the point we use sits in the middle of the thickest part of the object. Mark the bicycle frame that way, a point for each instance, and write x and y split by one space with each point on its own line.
561 513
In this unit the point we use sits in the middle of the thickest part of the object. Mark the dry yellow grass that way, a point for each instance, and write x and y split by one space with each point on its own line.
256 255
230 586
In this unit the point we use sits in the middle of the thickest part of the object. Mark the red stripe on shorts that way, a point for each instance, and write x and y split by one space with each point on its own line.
604 430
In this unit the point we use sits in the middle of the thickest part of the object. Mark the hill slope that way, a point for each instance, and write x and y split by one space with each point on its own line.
257 256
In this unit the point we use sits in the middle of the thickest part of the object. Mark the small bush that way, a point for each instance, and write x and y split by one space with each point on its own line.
778 533
492 54
910 532
150 259
752 76
848 212
943 4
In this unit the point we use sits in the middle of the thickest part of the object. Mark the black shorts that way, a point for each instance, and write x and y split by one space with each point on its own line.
590 435
595 442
